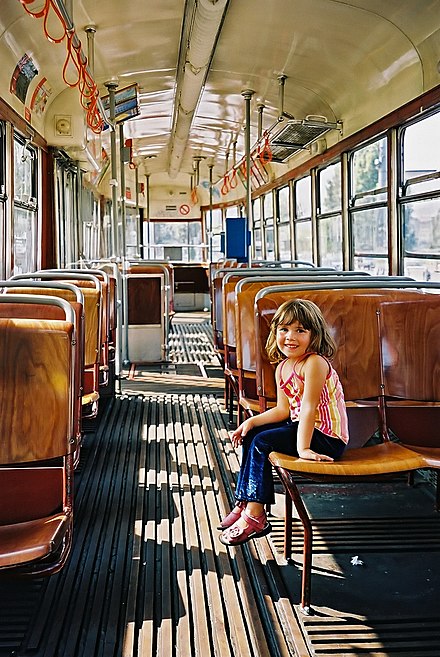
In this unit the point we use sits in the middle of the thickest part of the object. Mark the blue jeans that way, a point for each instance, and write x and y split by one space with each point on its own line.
255 481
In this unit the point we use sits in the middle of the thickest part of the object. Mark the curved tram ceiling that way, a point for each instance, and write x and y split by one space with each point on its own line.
345 63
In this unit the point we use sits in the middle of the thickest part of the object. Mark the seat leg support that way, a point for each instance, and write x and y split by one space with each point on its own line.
293 494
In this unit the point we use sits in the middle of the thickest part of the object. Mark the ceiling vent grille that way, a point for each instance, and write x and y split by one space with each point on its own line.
295 135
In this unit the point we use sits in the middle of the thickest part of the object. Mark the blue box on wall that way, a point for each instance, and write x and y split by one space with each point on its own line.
237 238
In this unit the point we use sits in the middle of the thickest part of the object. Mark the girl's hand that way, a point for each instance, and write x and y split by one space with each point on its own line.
310 455
237 435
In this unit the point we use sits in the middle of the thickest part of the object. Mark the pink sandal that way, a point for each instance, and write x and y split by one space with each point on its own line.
256 527
233 516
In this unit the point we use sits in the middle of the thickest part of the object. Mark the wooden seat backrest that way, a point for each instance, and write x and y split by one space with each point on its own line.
245 293
36 422
410 347
352 318
35 311
165 268
229 285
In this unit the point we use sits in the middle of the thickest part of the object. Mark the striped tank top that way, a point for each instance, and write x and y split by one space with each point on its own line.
331 415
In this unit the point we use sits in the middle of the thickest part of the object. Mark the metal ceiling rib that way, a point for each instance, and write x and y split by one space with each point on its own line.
202 24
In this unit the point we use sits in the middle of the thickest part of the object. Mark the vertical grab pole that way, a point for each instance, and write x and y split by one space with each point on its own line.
112 86
210 166
247 95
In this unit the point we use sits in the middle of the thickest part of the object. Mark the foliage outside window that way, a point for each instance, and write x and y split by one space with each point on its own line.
329 217
303 219
368 207
284 237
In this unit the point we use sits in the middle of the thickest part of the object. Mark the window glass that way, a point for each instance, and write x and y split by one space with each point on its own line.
132 232
422 269
233 211
370 234
269 241
256 210
268 206
216 219
330 241
2 240
330 194
24 173
258 253
303 238
284 242
24 241
374 266
369 173
25 225
421 151
177 240
422 227
303 198
283 205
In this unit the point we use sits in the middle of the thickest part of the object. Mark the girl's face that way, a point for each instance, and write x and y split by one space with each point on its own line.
293 340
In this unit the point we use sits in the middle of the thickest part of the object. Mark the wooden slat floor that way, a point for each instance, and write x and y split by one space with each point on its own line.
148 576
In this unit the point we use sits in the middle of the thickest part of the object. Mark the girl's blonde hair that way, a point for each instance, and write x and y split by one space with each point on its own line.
310 317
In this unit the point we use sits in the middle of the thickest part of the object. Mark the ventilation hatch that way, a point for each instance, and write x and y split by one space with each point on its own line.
297 134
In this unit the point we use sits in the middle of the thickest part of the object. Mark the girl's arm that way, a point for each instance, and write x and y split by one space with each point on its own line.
315 373
278 413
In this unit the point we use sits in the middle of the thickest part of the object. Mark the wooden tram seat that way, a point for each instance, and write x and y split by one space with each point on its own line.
75 298
361 321
107 314
225 327
91 288
246 352
37 437
157 267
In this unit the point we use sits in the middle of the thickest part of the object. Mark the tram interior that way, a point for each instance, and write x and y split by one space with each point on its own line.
170 173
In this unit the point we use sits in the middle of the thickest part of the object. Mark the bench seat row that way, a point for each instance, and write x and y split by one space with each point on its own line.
387 331
57 332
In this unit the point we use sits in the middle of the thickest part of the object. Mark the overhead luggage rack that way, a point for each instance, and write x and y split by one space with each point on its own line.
297 134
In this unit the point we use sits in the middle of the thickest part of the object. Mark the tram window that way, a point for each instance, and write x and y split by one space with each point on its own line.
257 244
2 161
24 241
368 212
268 227
284 242
421 156
2 199
215 221
330 241
214 224
233 211
421 221
303 198
370 240
303 219
132 233
420 198
284 235
303 240
25 228
182 234
329 218
369 173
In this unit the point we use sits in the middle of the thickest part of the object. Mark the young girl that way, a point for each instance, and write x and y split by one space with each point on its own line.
309 419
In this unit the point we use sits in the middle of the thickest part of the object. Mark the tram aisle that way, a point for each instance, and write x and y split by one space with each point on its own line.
147 574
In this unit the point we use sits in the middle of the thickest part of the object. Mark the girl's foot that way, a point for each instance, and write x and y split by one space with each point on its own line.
233 516
245 528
